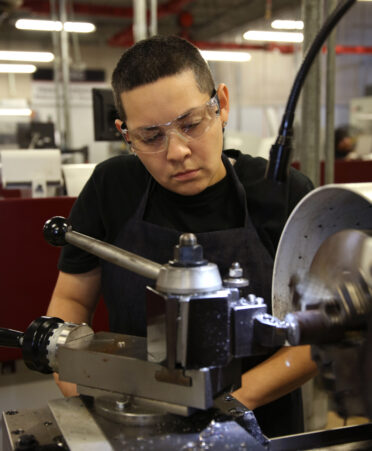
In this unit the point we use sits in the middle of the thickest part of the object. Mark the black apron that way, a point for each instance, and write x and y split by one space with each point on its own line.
124 291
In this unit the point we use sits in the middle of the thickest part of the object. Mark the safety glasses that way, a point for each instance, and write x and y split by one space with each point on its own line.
190 125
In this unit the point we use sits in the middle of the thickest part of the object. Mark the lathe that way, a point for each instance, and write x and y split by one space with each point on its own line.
171 390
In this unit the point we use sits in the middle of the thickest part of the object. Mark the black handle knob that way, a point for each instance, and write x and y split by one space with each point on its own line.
10 338
55 229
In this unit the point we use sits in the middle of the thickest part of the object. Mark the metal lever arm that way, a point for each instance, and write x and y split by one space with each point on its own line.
58 232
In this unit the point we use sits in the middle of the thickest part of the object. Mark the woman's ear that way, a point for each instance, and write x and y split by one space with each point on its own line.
118 124
223 96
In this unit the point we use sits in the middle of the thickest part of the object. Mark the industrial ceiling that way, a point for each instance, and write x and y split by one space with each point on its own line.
197 20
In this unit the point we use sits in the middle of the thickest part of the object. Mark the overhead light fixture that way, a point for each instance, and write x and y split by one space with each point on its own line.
37 57
17 68
287 24
38 25
54 25
15 112
79 27
273 36
217 55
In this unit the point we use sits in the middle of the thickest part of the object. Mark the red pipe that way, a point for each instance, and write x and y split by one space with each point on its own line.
356 49
43 7
172 7
122 39
350 49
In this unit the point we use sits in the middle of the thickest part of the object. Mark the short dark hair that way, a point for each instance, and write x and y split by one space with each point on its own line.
157 57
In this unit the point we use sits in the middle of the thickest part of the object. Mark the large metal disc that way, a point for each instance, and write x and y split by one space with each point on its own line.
323 212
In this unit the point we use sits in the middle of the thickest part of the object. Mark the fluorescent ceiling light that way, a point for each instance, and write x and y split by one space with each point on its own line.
216 55
38 25
54 25
287 24
79 27
15 112
40 57
17 68
273 36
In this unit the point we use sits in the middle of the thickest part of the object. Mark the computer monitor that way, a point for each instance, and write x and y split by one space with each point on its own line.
35 135
23 134
35 169
104 113
42 135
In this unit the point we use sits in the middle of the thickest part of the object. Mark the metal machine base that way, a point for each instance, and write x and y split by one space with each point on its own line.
83 428
74 424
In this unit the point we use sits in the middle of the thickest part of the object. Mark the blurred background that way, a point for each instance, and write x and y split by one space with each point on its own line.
56 96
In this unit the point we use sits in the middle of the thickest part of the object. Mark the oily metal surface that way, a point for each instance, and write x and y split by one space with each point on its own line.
83 429
38 423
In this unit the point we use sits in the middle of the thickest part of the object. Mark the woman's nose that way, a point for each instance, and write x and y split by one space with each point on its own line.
178 147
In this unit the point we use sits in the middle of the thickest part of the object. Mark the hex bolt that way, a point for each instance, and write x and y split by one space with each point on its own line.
188 239
252 298
235 277
235 270
188 252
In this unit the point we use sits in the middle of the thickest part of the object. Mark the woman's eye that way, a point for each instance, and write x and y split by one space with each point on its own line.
152 139
190 126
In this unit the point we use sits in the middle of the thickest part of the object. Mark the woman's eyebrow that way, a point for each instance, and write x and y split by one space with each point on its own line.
181 116
185 114
151 127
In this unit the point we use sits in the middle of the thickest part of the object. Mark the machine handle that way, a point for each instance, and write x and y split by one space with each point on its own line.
11 338
58 232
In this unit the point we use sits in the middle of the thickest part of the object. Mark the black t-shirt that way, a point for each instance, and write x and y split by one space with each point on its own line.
112 195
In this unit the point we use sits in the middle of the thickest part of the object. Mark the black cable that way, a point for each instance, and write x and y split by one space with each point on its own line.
280 153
